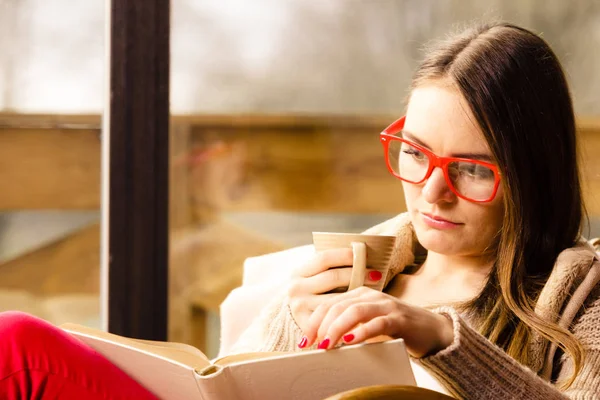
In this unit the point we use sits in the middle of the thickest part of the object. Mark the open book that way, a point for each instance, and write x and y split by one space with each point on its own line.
175 371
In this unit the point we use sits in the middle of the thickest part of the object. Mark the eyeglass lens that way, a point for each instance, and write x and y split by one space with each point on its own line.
473 181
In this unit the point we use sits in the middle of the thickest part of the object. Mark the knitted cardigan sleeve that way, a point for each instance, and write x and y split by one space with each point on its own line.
273 330
474 368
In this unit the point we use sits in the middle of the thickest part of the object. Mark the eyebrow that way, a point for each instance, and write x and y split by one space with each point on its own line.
472 156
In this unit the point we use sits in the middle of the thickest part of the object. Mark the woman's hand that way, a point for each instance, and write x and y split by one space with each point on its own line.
322 274
363 314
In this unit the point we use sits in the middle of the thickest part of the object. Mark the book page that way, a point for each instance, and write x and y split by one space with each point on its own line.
242 357
166 378
191 350
176 352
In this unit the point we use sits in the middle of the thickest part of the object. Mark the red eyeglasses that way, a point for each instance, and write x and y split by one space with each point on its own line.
472 180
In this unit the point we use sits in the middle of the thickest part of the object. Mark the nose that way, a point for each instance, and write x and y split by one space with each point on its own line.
436 188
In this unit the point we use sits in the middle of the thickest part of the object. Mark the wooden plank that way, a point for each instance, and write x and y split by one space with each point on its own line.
253 163
589 156
311 169
49 121
239 120
69 265
589 149
49 169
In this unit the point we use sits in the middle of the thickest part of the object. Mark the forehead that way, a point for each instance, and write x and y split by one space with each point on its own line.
439 116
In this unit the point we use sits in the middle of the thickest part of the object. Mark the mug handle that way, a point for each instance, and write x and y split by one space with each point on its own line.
359 265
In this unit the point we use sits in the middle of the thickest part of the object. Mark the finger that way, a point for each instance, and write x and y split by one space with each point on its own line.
330 280
378 326
339 303
323 282
312 326
325 260
353 317
302 307
311 302
322 319
333 313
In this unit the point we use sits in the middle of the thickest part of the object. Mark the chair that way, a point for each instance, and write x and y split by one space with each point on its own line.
389 392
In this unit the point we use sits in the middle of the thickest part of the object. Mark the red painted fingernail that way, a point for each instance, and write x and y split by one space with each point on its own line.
324 344
348 338
303 342
375 275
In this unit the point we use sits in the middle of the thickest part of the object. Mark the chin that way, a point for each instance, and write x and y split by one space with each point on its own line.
441 242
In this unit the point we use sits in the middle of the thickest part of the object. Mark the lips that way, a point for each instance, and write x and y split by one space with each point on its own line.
438 223
440 219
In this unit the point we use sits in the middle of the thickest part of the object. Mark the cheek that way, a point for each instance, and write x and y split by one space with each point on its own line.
490 218
411 192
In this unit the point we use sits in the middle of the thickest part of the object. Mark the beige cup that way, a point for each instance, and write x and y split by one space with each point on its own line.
372 251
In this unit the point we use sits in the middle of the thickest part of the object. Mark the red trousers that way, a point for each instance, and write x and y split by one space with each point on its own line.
41 361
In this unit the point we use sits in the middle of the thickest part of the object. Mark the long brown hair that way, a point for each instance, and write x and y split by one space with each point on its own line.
517 91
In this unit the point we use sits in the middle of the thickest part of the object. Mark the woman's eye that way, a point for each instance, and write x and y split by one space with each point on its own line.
416 154
476 171
469 169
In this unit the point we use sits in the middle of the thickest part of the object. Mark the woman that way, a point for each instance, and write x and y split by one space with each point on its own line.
506 302
487 157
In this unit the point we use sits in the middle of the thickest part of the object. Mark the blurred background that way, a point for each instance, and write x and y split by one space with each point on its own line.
276 108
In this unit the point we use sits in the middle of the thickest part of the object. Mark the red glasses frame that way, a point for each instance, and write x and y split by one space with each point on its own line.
388 135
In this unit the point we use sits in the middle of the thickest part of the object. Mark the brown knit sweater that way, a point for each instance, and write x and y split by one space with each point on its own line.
472 367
